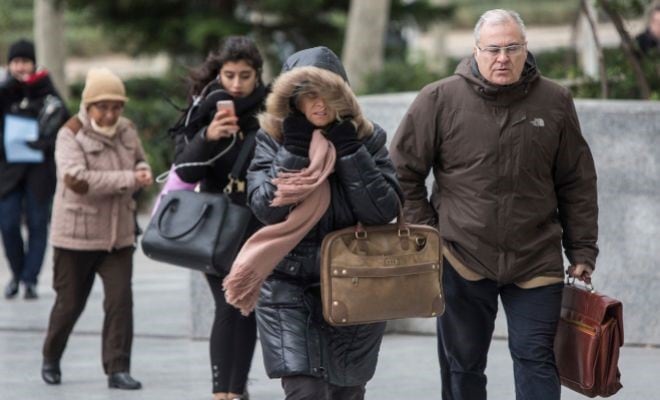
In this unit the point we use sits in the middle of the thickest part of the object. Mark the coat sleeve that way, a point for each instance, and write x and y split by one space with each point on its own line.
72 170
414 149
51 118
196 149
269 158
575 186
369 181
141 156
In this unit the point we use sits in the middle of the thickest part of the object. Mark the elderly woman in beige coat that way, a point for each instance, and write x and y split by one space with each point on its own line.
100 164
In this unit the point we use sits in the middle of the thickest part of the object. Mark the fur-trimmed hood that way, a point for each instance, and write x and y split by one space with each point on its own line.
310 78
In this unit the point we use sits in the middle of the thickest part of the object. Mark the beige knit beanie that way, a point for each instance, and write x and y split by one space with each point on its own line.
101 84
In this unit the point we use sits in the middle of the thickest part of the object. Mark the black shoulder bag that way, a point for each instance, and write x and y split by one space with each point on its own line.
201 231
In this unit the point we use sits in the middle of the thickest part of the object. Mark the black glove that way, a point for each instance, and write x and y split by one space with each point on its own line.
344 136
297 132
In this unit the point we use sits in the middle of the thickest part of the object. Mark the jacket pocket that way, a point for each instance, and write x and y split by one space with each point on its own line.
277 293
85 221
127 223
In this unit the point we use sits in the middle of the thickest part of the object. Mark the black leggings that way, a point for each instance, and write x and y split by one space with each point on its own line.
302 387
233 338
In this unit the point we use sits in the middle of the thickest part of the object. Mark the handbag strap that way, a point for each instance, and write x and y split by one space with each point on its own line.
163 177
236 184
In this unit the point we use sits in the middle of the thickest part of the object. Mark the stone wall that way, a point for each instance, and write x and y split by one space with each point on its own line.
625 140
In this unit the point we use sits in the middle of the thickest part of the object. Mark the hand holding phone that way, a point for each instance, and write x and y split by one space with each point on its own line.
224 124
226 105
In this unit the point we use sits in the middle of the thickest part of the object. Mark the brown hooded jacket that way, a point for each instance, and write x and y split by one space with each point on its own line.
514 177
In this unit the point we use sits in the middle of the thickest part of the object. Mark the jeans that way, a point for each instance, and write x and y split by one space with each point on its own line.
465 331
25 262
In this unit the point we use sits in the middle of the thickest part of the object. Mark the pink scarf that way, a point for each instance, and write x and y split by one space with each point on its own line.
307 189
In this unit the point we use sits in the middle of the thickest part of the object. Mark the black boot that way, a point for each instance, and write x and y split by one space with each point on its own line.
11 290
30 291
50 372
123 380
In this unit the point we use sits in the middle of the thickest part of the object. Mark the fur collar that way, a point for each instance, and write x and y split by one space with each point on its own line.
301 80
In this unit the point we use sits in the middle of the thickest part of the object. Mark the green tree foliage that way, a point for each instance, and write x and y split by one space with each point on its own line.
15 23
194 27
629 8
175 26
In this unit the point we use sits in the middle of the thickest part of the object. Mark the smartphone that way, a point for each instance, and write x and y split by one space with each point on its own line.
226 105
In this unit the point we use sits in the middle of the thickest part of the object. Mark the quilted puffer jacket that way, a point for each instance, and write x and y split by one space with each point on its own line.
294 337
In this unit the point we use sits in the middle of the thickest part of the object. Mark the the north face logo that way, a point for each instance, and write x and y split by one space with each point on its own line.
538 122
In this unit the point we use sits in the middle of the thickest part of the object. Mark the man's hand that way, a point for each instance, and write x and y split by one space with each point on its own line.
581 272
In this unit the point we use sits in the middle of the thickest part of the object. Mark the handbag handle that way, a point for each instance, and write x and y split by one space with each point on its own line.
404 229
205 208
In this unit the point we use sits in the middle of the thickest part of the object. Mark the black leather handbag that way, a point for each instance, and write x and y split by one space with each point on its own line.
200 231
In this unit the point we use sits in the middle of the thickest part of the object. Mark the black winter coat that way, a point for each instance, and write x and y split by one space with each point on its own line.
191 145
39 100
294 337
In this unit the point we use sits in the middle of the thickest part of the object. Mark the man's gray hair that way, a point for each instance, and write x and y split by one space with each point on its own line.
498 17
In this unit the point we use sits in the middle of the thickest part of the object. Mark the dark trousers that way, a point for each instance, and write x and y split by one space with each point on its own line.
25 262
232 342
73 277
303 387
466 328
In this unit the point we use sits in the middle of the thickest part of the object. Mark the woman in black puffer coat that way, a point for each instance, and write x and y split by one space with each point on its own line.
316 360
232 74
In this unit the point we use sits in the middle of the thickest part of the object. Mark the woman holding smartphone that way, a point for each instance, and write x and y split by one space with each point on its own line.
226 92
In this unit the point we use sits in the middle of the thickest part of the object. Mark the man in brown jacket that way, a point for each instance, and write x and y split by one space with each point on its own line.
514 180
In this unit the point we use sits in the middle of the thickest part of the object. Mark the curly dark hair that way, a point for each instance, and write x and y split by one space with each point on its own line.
234 48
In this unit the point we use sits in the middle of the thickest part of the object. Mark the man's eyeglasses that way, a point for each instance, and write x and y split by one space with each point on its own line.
510 50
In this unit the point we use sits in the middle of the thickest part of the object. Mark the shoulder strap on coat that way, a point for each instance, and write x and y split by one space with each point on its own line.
74 124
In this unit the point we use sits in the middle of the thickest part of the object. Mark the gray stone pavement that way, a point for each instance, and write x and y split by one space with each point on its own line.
172 366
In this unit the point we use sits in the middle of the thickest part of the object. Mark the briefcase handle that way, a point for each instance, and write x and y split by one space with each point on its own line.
205 209
570 280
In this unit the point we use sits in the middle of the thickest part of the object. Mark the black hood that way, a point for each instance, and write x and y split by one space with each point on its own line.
321 57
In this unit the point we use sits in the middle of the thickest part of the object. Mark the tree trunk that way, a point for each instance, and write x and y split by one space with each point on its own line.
628 49
589 15
49 40
364 44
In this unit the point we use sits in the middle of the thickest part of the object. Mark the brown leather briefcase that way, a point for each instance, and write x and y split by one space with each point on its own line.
378 273
589 335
